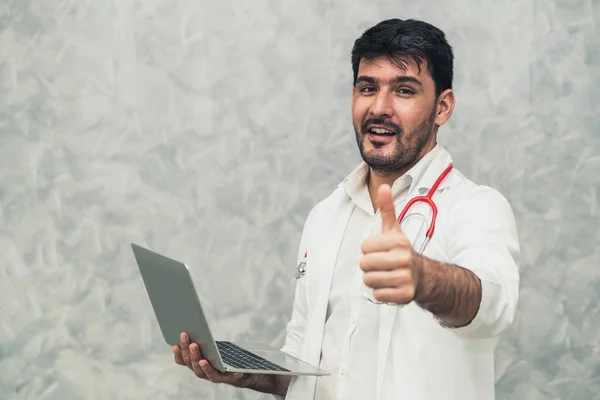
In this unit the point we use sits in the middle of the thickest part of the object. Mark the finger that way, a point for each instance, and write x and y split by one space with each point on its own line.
398 296
211 374
396 279
384 242
387 209
178 356
217 376
184 343
196 357
199 352
385 260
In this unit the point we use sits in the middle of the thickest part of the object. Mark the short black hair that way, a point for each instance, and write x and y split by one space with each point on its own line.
397 38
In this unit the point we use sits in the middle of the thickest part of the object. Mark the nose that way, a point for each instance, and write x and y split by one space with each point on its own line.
382 105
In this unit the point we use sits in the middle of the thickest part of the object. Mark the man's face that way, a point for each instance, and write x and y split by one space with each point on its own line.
394 113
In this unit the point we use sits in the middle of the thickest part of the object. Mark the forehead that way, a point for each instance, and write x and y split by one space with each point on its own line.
383 68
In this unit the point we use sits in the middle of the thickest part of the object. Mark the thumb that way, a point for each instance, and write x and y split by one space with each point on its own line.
388 211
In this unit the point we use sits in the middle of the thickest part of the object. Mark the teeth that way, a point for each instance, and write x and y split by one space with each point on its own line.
380 131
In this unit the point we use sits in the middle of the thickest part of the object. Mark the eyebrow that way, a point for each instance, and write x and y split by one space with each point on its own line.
397 79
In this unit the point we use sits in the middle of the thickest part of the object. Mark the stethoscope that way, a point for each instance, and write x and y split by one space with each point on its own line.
428 198
301 270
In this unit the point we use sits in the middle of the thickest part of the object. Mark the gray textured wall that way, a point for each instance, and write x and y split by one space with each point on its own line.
207 130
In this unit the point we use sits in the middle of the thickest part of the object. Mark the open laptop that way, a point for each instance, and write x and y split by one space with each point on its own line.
177 309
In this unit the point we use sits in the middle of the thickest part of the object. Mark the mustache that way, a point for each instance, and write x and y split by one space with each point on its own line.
381 122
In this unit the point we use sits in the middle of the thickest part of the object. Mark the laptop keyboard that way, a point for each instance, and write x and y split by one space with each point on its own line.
239 358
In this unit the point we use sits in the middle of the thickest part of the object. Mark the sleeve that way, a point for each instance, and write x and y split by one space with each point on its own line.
486 242
295 327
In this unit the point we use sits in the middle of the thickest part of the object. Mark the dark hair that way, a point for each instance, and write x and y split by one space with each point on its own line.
397 38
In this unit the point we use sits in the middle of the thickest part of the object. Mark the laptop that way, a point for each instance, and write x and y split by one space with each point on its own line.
178 309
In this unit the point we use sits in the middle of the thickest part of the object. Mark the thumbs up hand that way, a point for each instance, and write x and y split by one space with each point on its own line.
391 267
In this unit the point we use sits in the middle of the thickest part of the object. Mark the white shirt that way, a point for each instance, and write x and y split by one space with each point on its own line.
417 358
351 329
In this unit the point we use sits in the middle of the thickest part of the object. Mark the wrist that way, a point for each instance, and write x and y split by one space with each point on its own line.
246 381
420 274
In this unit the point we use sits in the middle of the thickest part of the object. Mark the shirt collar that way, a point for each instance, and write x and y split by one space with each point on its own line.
355 183
417 172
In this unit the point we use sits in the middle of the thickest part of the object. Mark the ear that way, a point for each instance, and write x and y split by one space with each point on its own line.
445 107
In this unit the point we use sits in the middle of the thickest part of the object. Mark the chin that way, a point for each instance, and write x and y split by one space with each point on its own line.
380 150
377 158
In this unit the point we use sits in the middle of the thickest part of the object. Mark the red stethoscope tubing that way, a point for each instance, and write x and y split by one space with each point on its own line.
427 199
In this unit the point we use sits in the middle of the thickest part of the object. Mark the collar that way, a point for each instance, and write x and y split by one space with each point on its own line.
421 176
433 171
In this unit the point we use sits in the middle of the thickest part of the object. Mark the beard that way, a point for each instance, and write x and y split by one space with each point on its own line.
402 156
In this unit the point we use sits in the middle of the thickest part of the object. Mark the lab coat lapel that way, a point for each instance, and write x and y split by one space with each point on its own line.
431 174
333 220
331 231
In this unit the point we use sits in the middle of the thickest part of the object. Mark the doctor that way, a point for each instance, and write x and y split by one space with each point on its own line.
408 310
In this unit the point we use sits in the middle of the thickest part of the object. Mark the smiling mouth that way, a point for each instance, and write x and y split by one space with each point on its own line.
380 132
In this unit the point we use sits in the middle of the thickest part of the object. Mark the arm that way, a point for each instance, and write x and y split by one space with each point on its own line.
272 384
449 292
295 327
476 292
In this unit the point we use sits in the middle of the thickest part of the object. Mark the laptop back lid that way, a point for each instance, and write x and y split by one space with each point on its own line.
175 302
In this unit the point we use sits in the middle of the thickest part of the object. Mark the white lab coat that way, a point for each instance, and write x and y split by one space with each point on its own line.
419 358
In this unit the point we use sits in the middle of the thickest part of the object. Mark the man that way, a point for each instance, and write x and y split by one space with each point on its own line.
387 321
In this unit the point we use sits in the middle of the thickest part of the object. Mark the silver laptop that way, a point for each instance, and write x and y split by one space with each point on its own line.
177 309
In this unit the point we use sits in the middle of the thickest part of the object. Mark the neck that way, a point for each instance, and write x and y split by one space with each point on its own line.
376 178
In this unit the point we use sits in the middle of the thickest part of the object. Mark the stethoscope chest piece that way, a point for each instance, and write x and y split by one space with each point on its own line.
301 270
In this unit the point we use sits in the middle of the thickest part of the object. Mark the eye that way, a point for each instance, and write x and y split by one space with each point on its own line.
405 91
367 89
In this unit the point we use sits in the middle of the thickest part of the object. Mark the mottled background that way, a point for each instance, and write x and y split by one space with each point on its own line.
207 129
